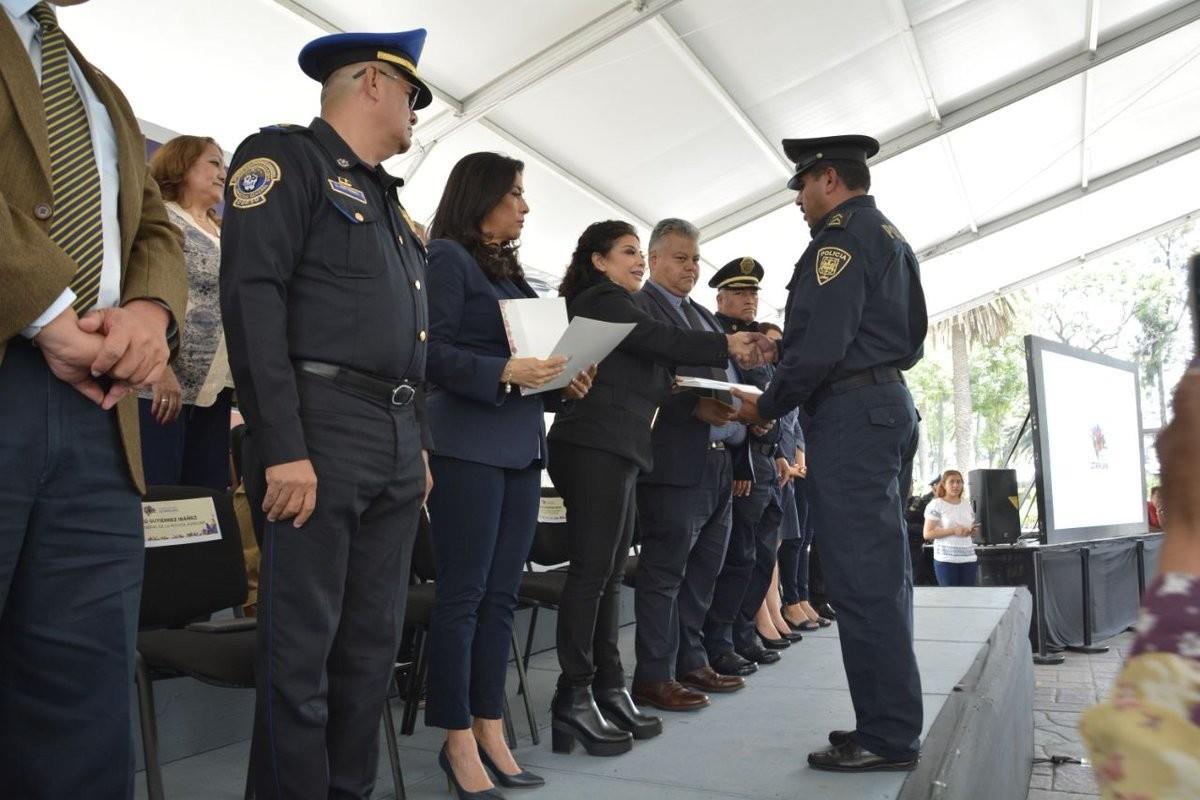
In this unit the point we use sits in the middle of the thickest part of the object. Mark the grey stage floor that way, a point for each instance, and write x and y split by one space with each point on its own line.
750 744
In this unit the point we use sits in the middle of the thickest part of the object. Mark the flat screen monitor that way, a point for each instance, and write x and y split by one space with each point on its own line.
1087 432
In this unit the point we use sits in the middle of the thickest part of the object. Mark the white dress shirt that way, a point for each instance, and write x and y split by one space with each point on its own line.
104 147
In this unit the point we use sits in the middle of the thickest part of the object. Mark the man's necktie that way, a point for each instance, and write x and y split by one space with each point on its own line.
716 373
76 226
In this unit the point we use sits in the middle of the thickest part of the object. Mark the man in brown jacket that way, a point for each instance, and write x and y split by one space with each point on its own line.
91 283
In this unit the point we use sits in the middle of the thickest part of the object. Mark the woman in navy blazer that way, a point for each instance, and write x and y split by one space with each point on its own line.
490 449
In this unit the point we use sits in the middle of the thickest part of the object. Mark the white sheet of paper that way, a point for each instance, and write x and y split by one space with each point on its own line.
585 342
689 382
534 325
538 328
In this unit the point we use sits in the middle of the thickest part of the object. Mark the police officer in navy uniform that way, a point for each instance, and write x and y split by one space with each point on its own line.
855 320
322 298
730 638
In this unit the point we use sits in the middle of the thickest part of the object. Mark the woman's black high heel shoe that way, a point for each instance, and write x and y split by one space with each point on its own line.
575 718
522 780
456 788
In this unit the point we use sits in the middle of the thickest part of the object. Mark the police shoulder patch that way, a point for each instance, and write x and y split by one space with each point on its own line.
830 263
253 180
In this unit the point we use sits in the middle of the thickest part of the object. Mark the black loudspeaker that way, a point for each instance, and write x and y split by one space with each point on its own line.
995 500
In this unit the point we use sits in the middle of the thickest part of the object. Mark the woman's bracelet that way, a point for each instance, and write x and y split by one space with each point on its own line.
506 377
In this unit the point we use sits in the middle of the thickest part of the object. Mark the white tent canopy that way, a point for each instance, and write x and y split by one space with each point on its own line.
1018 135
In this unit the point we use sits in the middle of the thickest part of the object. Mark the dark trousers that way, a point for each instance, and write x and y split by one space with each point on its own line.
952 574
483 519
746 574
599 490
331 597
685 532
793 553
191 451
863 546
71 554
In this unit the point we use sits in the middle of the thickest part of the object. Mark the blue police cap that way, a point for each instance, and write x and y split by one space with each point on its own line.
741 273
402 49
806 152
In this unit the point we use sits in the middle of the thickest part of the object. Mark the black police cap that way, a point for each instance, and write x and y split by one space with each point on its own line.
741 273
806 152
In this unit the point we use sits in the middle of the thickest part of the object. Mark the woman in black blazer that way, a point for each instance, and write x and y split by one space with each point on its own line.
597 448
490 446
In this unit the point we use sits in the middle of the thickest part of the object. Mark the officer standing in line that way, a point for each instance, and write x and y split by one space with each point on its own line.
855 319
322 295
730 637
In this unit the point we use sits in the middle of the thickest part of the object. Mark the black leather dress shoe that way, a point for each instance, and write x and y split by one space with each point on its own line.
850 757
792 636
825 610
734 665
840 737
759 654
618 708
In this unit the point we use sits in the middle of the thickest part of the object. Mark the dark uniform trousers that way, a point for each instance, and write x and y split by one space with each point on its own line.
860 449
331 597
684 532
71 555
746 574
599 490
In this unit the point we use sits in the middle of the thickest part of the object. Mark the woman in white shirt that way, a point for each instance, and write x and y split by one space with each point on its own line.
949 524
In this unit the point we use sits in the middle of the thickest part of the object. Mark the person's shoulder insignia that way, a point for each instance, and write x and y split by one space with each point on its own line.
253 180
840 219
893 233
830 263
343 187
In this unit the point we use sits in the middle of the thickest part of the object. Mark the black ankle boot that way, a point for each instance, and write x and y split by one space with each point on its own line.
618 708
575 718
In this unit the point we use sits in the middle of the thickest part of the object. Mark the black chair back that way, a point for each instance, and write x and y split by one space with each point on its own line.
188 582
424 566
550 539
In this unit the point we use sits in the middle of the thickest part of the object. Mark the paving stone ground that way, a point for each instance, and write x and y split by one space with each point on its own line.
1060 695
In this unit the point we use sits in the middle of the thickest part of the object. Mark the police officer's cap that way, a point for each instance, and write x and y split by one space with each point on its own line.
402 50
806 152
741 273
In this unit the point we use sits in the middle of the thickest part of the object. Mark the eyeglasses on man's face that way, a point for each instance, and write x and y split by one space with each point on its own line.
413 92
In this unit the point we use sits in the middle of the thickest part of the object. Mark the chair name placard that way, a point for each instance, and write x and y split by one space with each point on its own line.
551 510
171 522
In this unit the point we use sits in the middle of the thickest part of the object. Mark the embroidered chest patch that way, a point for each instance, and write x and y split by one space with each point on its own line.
830 263
343 187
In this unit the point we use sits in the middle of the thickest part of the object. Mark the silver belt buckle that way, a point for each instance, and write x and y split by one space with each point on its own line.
403 394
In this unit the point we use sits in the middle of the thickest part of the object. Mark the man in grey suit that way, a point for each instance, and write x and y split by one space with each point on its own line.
684 502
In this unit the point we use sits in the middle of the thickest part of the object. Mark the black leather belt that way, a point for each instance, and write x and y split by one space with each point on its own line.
856 380
398 394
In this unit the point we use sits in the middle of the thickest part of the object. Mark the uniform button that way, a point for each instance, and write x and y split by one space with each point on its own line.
358 216
421 336
42 211
418 285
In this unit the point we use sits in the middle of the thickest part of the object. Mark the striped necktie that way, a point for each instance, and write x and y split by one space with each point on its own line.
76 226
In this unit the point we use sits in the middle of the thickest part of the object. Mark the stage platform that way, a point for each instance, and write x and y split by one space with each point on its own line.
977 675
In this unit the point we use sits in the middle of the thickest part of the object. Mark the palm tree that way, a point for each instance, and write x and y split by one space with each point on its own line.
983 326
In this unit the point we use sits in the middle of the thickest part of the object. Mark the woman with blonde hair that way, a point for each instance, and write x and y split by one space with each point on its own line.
950 524
185 415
